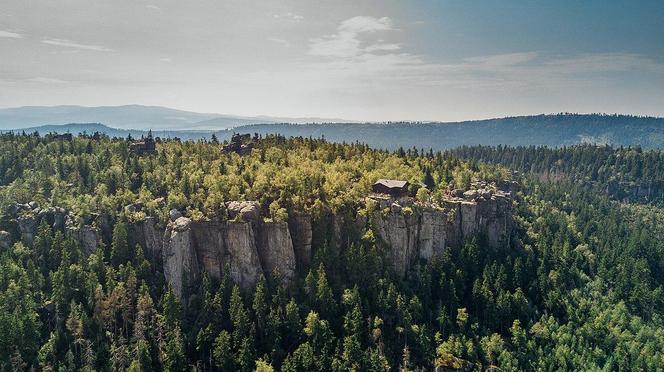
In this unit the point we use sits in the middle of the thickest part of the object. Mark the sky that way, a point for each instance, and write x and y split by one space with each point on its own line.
373 60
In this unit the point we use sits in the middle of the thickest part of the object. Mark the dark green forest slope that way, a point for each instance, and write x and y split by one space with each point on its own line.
579 287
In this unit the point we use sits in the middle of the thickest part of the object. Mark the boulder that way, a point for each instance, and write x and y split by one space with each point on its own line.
470 195
174 214
246 210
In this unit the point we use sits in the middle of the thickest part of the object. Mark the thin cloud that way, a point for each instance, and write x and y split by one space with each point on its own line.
365 24
347 43
10 35
71 44
351 56
289 16
277 40
503 59
45 80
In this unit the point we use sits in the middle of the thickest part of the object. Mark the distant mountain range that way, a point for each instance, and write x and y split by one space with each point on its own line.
134 117
550 130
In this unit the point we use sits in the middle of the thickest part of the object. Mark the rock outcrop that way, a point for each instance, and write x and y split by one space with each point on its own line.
275 249
244 264
149 234
5 240
89 237
180 261
415 231
191 248
245 247
302 233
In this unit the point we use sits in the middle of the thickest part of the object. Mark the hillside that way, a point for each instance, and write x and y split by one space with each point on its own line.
548 130
133 117
288 257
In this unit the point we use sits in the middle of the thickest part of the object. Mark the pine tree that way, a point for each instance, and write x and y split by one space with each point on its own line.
120 253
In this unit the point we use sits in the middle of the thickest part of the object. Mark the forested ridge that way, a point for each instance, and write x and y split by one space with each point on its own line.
628 173
554 130
580 288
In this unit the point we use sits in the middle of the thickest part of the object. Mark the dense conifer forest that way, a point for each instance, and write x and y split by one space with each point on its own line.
578 288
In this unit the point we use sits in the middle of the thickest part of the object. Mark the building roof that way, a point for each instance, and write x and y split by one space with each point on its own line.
392 183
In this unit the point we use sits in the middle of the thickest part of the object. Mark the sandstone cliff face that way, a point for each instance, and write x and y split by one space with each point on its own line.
150 235
302 233
248 247
400 232
432 237
275 249
244 264
418 232
88 237
191 248
179 255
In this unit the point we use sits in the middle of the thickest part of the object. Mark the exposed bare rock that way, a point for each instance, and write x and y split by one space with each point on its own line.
30 219
89 238
247 210
148 234
421 232
275 250
302 234
399 232
174 214
244 263
28 227
5 240
210 247
432 233
179 256
54 217
470 195
469 221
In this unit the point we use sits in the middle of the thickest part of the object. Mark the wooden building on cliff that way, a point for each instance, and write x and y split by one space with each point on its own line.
395 188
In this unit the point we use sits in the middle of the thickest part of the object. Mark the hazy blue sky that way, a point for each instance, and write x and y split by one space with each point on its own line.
359 59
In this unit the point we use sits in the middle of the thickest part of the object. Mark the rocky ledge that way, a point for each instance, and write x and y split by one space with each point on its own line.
247 245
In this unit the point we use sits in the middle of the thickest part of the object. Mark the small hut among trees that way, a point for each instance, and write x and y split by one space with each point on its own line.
394 188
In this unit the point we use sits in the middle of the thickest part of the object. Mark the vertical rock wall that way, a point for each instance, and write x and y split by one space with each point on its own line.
417 232
244 264
275 250
248 247
179 256
301 232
